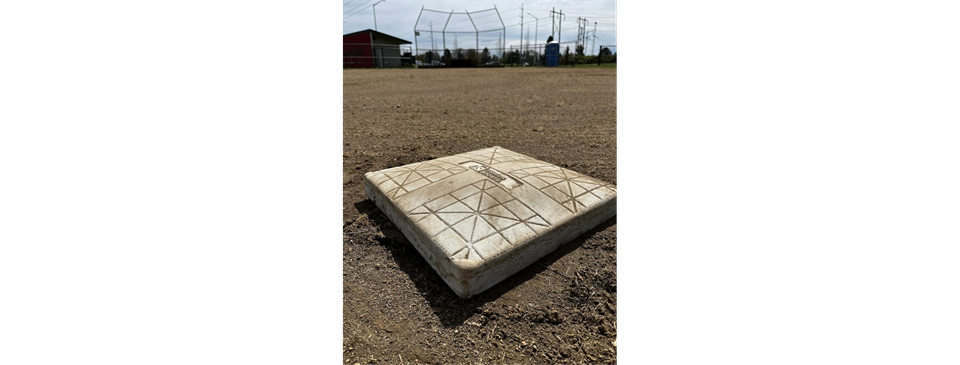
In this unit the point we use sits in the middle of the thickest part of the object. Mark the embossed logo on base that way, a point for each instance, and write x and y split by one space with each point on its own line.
493 174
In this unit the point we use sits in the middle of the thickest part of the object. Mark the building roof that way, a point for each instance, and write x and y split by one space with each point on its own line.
383 36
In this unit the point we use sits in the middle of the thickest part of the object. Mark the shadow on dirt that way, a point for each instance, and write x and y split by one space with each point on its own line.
450 309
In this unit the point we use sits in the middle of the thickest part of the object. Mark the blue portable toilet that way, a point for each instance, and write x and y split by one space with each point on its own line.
553 54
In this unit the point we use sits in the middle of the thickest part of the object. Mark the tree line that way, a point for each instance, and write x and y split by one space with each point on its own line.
514 56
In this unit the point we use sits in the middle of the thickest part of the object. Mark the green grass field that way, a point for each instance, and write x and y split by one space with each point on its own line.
594 65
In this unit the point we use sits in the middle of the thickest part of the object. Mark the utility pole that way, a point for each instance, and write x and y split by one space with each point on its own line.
445 30
416 43
375 14
504 26
521 31
560 28
577 43
553 22
556 17
583 43
536 33
579 34
582 34
476 47
594 44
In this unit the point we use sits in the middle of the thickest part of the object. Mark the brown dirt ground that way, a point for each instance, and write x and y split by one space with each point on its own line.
396 309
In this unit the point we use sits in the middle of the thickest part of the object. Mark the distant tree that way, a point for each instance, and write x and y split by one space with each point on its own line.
549 39
580 50
446 55
514 56
485 55
604 55
566 55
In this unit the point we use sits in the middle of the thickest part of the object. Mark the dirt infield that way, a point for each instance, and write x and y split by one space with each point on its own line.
396 309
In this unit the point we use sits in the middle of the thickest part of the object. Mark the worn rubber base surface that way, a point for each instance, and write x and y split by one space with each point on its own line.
481 216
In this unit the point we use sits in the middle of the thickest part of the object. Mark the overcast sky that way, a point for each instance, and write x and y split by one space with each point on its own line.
397 18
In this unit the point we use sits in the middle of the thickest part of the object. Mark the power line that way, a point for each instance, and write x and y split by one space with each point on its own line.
365 8
358 6
601 39
361 10
599 15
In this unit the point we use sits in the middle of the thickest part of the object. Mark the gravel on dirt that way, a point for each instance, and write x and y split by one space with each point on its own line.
396 309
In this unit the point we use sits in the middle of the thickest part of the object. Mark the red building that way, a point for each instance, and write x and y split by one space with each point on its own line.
371 49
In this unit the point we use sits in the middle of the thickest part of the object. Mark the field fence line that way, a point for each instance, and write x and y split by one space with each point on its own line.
533 54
